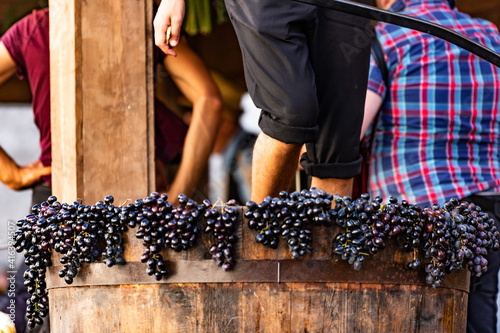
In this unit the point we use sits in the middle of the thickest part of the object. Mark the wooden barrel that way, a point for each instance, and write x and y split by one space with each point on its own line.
265 292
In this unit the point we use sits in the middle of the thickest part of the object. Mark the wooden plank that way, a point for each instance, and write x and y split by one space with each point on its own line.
178 303
135 309
265 307
252 307
460 303
314 308
84 310
218 307
102 99
322 244
363 315
414 306
66 99
131 308
115 107
150 92
132 246
430 314
392 304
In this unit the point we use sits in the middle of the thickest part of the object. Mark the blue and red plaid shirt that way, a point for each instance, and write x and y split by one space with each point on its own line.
438 134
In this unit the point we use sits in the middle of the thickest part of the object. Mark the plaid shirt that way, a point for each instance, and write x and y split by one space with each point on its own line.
438 134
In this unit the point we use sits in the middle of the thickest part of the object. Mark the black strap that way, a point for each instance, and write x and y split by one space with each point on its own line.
378 55
415 23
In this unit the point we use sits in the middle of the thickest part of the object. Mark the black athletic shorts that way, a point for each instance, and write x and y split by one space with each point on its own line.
306 67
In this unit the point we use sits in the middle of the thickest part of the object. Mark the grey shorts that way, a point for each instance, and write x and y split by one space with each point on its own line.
307 67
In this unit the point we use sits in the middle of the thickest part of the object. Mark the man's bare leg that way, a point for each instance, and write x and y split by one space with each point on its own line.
273 166
333 185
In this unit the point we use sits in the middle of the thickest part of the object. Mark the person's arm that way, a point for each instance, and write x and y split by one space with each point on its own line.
372 105
170 14
7 64
11 174
18 178
193 80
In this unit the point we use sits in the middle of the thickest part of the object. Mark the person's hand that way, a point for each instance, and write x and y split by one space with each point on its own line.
170 14
28 175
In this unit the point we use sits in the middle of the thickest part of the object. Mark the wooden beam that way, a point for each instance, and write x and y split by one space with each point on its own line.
101 99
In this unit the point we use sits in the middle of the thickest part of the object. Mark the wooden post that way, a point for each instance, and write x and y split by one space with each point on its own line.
101 99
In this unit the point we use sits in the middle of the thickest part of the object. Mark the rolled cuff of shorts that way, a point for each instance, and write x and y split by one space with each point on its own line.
334 170
286 133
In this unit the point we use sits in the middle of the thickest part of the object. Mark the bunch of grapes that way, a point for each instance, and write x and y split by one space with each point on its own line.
317 205
457 235
365 232
403 222
77 239
33 237
73 230
37 306
152 215
113 228
221 224
262 217
451 237
299 211
183 231
161 225
80 230
291 217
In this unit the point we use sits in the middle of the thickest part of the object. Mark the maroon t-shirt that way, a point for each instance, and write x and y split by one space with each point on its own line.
27 41
28 44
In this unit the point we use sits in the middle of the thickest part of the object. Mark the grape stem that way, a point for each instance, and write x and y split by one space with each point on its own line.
123 204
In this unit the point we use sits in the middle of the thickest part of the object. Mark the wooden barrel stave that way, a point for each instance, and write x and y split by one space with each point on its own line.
252 307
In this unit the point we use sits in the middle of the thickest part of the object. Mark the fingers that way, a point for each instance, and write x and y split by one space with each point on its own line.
175 34
170 38
169 15
161 39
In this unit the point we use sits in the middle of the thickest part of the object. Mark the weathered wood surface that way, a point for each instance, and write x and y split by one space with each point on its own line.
251 307
199 297
101 99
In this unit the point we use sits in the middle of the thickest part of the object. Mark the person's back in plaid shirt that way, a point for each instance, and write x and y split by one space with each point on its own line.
438 132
